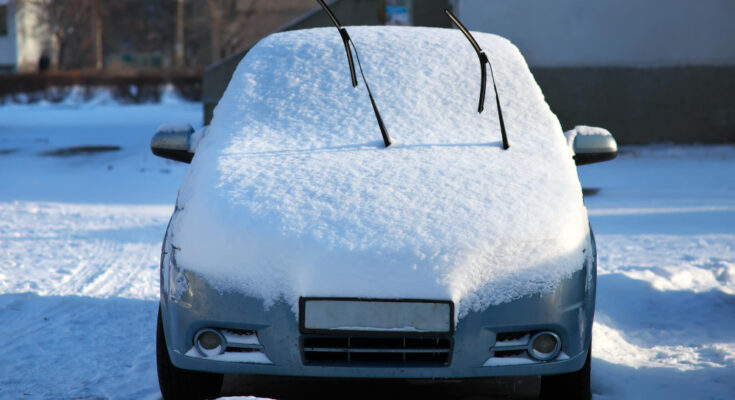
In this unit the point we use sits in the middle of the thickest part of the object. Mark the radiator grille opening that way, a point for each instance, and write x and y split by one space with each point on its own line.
509 353
508 336
388 351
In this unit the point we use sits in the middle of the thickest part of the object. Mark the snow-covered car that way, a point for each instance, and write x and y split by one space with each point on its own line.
303 245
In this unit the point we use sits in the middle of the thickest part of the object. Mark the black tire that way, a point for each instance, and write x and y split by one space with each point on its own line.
182 384
571 386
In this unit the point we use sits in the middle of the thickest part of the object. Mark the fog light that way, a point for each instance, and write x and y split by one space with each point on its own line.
210 342
544 346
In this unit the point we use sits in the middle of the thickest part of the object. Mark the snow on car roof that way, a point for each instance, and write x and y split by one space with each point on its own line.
291 192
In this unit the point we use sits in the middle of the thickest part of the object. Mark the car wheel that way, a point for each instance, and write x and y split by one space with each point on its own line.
177 383
570 386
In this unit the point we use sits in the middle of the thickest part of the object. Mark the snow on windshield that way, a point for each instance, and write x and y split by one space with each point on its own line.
291 192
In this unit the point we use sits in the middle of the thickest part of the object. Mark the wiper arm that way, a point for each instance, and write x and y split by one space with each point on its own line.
483 82
348 42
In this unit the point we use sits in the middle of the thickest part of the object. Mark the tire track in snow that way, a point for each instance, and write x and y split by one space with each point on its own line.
55 343
91 250
70 346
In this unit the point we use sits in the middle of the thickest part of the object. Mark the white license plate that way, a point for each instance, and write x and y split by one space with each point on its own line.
376 315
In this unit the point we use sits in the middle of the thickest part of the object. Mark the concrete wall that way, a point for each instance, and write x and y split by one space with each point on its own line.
638 33
694 104
648 70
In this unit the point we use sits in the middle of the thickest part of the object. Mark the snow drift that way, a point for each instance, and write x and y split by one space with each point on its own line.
291 192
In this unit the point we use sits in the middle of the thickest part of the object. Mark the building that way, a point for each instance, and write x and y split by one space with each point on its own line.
23 39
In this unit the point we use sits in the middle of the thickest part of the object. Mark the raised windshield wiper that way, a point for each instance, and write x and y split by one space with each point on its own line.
483 60
348 42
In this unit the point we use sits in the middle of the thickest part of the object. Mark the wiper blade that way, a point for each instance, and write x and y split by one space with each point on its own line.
345 39
348 42
483 80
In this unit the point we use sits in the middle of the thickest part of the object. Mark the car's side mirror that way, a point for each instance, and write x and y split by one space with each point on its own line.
591 144
173 142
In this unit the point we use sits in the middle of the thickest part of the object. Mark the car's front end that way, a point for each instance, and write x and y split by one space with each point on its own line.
229 332
299 247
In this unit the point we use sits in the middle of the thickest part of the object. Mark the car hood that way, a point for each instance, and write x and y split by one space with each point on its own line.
291 192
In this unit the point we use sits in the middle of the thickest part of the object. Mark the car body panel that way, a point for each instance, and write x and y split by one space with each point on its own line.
568 311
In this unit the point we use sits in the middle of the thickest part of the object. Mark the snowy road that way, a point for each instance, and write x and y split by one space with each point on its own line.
80 237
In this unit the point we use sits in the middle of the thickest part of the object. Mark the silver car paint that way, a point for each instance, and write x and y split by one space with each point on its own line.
568 311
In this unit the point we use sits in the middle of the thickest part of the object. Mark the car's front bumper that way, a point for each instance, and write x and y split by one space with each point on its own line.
568 311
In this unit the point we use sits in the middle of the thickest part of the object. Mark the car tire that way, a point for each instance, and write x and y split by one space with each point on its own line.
177 383
570 386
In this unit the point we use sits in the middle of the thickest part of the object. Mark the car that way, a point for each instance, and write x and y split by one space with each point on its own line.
331 229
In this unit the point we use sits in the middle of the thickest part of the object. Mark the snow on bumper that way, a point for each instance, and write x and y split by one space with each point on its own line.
567 311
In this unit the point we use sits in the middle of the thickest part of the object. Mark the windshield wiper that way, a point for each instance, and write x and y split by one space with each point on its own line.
348 42
483 60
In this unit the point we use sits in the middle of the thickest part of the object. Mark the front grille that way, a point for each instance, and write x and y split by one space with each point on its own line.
508 336
509 353
511 344
388 351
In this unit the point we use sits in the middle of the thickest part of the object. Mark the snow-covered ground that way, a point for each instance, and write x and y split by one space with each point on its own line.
80 237
79 248
665 321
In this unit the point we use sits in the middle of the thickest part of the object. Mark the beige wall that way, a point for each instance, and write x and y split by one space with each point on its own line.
32 39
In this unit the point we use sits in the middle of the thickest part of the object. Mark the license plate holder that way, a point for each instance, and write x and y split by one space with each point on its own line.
329 315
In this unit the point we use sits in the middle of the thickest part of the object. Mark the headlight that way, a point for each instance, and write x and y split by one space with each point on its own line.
178 284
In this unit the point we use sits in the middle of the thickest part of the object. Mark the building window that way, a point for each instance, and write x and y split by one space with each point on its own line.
3 19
